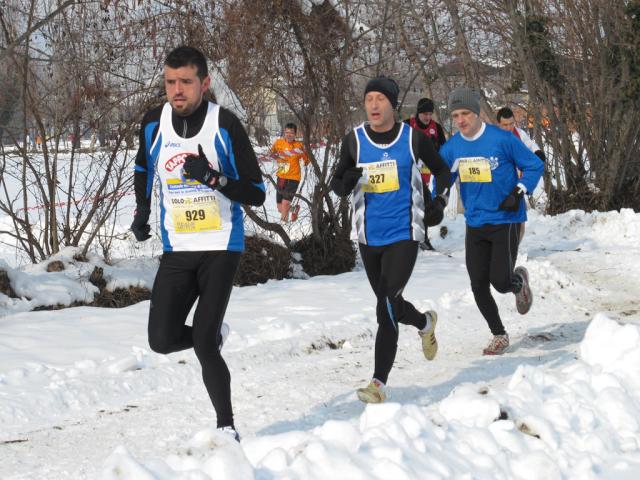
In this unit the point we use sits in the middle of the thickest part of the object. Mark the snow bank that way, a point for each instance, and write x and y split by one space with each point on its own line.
572 421
36 287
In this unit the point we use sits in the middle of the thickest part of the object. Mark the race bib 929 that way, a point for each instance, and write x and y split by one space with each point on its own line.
195 214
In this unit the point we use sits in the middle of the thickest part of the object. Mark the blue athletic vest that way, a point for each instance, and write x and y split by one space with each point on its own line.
387 202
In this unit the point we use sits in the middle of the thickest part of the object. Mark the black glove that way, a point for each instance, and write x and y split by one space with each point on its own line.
512 202
140 226
540 154
434 212
350 178
197 168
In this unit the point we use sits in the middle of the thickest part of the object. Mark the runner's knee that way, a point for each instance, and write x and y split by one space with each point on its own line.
479 286
502 284
161 343
206 349
386 310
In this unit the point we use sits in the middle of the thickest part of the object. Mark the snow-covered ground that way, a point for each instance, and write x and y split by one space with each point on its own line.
82 396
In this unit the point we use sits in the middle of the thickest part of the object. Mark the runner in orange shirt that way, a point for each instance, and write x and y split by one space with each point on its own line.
290 153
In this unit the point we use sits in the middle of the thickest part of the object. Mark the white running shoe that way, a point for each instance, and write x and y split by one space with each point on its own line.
497 345
229 431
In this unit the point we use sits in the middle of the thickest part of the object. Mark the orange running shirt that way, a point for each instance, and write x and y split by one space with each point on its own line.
288 161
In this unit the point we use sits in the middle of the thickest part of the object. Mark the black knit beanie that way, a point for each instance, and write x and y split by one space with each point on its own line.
385 85
425 105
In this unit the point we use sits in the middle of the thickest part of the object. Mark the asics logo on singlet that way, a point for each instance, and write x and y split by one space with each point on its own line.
175 162
171 144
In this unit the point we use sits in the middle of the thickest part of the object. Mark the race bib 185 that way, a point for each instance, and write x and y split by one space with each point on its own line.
474 169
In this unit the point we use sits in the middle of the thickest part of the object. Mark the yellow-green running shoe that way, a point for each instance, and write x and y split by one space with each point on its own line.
373 393
428 335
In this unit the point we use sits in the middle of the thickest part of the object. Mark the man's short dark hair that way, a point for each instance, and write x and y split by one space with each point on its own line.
188 56
504 112
292 126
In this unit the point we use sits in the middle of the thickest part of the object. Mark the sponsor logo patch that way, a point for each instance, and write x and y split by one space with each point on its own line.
175 161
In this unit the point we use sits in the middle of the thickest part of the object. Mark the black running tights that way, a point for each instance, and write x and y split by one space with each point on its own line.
182 278
388 269
491 253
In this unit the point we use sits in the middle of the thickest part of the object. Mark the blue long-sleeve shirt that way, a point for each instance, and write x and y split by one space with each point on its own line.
488 169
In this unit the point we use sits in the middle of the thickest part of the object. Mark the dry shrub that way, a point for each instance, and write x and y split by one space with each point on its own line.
262 260
5 285
118 298
57 306
561 201
629 196
79 257
97 278
55 266
121 297
330 255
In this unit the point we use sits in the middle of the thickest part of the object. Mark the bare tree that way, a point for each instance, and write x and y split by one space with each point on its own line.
71 79
571 65
80 69
578 58
306 59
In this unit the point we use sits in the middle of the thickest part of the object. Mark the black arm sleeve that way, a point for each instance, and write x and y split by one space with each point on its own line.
141 173
140 187
540 154
441 136
248 187
425 150
347 160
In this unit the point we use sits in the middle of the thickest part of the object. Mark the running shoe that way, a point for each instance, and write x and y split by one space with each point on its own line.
295 210
428 336
426 245
497 345
524 298
373 393
230 432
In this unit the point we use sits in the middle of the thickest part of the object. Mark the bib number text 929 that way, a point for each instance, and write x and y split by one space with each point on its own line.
194 215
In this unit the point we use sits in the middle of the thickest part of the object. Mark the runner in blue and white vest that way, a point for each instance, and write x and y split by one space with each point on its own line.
379 165
200 156
487 160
